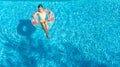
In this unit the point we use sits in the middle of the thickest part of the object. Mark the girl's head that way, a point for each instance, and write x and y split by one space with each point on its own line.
40 7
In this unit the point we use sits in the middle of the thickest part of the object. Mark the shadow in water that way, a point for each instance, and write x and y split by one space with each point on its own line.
25 28
23 50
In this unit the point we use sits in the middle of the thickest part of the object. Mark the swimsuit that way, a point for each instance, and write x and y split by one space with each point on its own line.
42 20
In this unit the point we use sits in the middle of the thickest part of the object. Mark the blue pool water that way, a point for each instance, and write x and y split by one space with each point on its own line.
85 34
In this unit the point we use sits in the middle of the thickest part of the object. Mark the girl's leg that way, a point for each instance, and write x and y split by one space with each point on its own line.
45 29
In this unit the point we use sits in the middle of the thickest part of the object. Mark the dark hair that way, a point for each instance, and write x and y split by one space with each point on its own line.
40 6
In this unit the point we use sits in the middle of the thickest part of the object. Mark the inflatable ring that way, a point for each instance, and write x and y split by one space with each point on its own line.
50 21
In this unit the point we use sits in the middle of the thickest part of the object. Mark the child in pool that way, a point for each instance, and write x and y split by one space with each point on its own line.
42 13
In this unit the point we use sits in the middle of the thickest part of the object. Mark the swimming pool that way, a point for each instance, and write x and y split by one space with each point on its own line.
85 34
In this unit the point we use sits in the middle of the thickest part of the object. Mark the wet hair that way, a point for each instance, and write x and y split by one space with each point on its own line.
40 6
